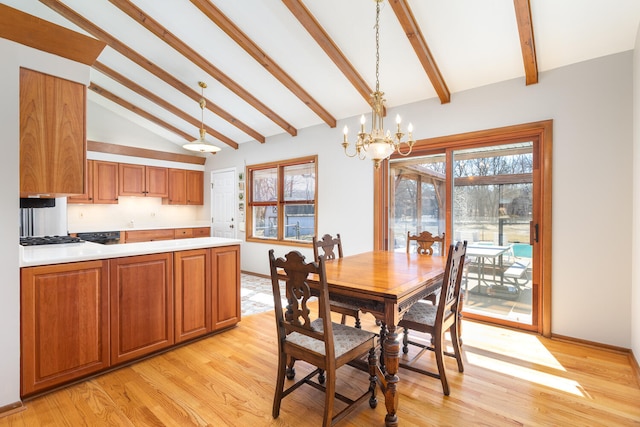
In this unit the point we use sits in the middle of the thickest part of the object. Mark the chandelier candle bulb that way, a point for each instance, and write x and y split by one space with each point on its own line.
345 131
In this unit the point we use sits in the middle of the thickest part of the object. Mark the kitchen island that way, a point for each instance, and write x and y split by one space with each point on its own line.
86 307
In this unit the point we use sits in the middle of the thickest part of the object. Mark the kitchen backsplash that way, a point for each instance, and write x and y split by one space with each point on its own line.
134 212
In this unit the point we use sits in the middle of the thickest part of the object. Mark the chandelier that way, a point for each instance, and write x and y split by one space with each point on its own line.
201 144
378 144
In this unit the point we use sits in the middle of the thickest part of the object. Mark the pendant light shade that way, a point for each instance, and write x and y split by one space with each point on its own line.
200 144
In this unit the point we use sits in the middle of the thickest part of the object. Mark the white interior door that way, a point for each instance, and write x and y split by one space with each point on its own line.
223 203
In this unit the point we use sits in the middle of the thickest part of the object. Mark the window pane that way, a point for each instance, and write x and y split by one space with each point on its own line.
299 222
300 182
265 221
265 185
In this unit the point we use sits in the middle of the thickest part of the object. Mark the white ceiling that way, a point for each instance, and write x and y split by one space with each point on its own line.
474 43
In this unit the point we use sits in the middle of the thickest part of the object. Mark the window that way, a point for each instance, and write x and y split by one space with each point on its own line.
282 200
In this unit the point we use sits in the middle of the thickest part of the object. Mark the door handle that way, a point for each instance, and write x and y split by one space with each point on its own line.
533 233
230 225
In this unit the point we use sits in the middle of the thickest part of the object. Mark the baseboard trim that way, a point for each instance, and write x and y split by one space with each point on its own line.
593 344
11 409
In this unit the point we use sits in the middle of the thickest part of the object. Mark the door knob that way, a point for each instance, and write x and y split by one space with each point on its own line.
230 225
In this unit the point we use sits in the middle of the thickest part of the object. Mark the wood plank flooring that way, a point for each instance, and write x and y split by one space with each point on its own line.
510 379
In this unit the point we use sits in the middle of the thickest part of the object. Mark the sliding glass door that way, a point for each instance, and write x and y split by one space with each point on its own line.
492 210
492 189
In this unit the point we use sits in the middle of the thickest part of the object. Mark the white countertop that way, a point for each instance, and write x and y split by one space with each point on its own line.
86 251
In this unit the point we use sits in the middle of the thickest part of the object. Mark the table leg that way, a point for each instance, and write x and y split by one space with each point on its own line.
392 361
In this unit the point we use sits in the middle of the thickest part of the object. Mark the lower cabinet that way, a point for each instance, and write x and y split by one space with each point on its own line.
65 331
81 318
141 305
225 286
207 291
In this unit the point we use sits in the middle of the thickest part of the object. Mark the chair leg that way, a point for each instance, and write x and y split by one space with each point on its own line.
457 343
439 352
373 378
330 392
291 372
277 398
405 341
344 319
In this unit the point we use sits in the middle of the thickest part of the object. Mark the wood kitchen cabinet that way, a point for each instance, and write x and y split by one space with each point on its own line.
141 290
192 290
52 135
134 236
102 184
65 330
225 285
186 233
140 180
186 187
207 290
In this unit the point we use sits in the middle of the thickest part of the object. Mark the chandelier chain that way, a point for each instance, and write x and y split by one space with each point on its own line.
377 46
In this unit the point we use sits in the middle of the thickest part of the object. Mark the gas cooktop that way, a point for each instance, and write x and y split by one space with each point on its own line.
48 240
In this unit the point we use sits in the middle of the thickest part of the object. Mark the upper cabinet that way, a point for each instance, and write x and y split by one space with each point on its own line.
140 180
52 135
186 187
102 184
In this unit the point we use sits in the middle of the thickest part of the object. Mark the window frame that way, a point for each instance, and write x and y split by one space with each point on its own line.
280 202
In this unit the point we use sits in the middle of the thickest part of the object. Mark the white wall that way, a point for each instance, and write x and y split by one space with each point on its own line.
635 283
591 105
13 57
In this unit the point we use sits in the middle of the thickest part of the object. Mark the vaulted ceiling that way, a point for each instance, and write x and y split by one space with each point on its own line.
277 66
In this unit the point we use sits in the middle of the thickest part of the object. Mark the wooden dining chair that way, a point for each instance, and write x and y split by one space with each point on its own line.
424 246
438 319
314 338
329 244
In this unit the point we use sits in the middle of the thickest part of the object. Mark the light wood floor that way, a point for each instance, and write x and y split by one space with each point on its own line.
510 379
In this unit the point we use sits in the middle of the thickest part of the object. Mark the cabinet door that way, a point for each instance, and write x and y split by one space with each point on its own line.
105 182
195 187
192 290
225 286
65 330
87 197
157 180
141 305
177 187
131 180
52 135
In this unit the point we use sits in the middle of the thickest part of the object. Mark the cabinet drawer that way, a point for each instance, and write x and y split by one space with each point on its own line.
148 235
202 232
183 233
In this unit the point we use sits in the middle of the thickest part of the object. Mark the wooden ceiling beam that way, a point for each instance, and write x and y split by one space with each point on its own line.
37 33
114 75
315 30
181 47
412 30
236 34
527 41
143 62
139 111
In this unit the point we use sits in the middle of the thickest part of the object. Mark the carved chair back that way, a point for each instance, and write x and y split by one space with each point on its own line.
328 245
424 242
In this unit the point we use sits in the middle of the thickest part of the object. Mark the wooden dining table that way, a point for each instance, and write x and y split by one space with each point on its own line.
385 284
